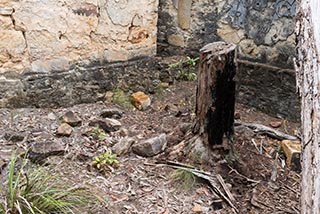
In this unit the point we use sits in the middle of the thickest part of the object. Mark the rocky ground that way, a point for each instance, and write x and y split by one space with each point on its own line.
69 139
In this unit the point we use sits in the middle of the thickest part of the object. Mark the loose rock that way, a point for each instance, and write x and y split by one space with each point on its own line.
64 130
275 124
39 151
123 146
171 108
71 118
151 147
14 136
52 116
197 208
140 100
107 124
112 113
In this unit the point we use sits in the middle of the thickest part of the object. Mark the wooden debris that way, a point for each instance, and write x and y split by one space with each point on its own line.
292 150
206 176
225 188
248 179
265 130
274 171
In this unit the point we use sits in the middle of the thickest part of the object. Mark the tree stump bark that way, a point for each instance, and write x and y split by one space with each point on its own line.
215 101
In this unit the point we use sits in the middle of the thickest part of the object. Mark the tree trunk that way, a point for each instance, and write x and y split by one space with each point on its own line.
216 93
308 85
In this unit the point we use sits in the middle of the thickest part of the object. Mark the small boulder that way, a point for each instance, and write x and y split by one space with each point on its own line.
107 124
71 118
123 146
151 147
64 130
140 100
39 151
112 113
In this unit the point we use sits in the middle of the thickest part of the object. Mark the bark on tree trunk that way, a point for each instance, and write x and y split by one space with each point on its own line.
216 93
308 85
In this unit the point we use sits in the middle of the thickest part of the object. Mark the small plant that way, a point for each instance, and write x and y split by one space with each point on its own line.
192 61
185 178
35 191
121 98
185 70
98 133
104 160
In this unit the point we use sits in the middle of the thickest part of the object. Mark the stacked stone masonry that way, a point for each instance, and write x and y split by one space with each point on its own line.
263 29
55 52
264 33
40 38
45 35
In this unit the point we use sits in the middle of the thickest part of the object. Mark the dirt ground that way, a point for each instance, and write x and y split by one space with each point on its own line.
142 185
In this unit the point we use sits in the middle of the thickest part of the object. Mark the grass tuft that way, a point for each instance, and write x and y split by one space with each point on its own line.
185 179
35 191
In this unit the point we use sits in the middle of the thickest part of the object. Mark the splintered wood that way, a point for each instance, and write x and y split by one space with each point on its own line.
216 92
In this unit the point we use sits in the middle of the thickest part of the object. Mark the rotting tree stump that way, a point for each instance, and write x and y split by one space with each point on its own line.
215 98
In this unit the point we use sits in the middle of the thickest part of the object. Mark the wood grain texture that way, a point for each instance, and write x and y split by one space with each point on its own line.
308 85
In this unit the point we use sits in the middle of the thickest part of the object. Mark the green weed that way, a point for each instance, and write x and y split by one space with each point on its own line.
98 133
34 191
121 98
102 161
185 69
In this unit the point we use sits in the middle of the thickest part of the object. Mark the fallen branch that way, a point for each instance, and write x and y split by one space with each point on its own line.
265 130
208 178
226 189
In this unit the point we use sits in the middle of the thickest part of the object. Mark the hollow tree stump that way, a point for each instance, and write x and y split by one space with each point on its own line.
215 101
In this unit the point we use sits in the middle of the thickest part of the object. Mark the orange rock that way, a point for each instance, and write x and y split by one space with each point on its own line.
197 208
140 100
275 124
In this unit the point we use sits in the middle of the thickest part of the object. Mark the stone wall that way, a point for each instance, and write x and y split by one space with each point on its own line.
56 52
45 37
263 31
